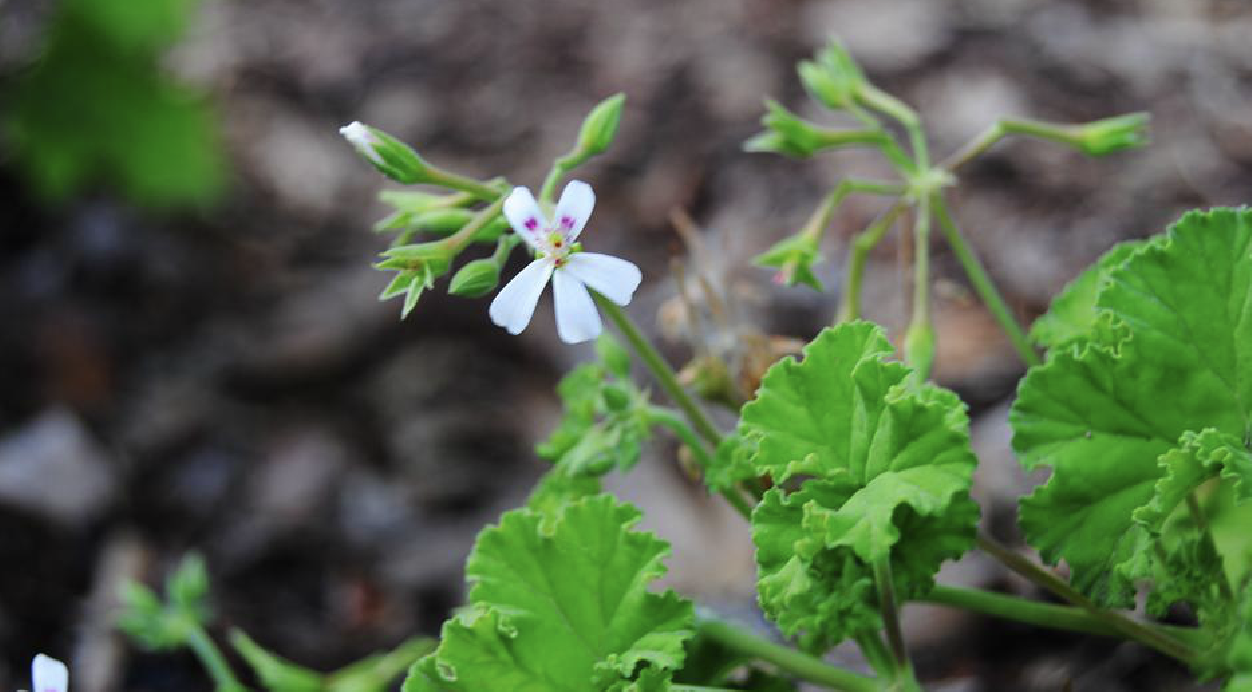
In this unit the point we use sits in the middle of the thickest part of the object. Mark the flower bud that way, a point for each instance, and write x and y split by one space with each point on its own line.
793 257
390 156
788 134
475 279
833 79
1112 134
600 126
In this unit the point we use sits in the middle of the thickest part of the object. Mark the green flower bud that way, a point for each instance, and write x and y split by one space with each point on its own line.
188 586
788 134
390 156
1112 134
600 126
475 279
793 257
833 80
443 221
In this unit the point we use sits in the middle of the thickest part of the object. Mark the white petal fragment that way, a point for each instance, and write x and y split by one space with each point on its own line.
360 136
524 215
515 304
613 277
574 208
577 319
49 675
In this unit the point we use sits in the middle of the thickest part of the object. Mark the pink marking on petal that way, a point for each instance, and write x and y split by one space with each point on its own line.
531 224
567 222
780 278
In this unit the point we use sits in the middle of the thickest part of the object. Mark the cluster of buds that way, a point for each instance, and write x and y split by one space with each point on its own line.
550 233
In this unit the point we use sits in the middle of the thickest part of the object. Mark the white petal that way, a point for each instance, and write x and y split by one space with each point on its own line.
515 304
49 675
363 139
572 212
576 317
525 216
613 277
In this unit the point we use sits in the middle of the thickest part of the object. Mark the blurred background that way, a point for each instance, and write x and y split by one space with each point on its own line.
192 355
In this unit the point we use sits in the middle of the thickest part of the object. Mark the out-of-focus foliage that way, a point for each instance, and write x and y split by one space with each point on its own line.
97 107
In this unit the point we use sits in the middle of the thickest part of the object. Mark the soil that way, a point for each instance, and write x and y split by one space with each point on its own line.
225 380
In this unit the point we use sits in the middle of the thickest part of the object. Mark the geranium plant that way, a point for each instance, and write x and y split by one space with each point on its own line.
852 467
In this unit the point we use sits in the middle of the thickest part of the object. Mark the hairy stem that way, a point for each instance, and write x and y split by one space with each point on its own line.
1140 632
660 415
920 342
858 255
982 282
785 658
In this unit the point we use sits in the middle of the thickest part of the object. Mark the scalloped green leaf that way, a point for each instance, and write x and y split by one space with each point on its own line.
1170 351
562 605
1073 311
1198 458
887 467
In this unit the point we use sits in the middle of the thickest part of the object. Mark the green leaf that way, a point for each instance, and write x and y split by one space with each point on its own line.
732 463
561 606
605 423
887 467
1073 311
1170 351
1199 457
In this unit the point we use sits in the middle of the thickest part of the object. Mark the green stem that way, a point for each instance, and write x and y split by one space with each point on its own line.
211 658
982 283
455 181
697 688
1206 535
560 167
660 415
876 653
1035 613
858 255
890 611
457 241
881 101
1144 634
846 188
785 658
665 375
992 135
920 352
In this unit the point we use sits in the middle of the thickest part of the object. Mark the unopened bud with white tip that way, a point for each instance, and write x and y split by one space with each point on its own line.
390 156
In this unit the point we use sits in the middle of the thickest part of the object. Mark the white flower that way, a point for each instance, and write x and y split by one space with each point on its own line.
559 258
48 675
363 139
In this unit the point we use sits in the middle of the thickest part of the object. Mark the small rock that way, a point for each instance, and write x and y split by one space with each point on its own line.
54 467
